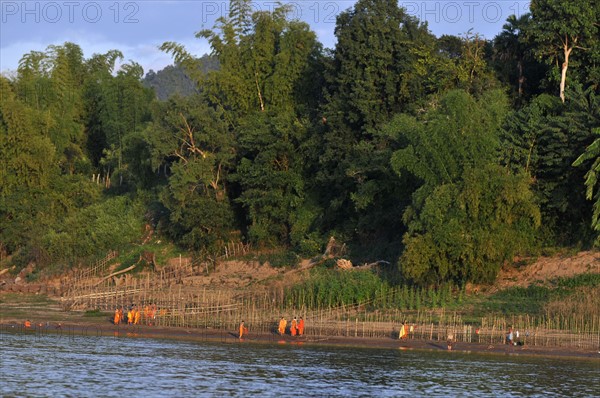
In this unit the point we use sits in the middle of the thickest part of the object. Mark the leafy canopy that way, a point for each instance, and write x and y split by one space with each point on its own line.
469 214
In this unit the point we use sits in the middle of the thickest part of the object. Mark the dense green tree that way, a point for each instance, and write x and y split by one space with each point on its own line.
470 214
544 139
370 60
261 57
459 133
126 108
369 142
49 82
50 118
117 105
191 140
592 153
27 168
264 58
27 152
271 132
370 78
93 230
269 174
35 194
67 76
472 71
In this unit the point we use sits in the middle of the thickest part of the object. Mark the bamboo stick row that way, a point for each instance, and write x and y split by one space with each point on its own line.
184 306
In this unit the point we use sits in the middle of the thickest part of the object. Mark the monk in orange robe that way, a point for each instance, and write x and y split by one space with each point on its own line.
301 327
403 332
282 325
130 317
117 317
294 327
136 317
243 330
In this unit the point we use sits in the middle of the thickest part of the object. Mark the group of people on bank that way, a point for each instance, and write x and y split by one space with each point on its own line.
296 326
134 315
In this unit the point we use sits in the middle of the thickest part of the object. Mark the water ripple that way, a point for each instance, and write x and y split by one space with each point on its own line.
50 366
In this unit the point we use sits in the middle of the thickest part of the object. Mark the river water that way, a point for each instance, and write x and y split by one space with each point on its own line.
90 366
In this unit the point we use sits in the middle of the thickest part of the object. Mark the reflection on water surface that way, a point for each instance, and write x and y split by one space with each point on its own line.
48 365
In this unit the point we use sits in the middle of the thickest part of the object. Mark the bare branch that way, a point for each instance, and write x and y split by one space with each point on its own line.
189 132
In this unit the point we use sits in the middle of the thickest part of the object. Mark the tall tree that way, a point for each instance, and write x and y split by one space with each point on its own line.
264 59
561 29
67 77
510 48
544 139
50 82
100 69
371 76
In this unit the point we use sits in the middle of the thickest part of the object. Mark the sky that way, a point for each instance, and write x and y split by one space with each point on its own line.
137 28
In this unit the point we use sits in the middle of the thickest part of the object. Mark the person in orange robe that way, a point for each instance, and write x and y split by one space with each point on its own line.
403 332
243 330
136 317
130 317
282 325
117 317
301 327
294 327
27 323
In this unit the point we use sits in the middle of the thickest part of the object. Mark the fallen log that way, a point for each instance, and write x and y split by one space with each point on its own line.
362 267
116 273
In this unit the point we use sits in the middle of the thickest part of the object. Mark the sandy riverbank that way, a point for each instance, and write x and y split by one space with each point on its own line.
46 316
102 328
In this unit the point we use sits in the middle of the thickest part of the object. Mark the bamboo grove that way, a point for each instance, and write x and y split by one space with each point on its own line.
445 156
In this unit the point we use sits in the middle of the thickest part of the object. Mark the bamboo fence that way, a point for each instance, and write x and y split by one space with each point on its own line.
187 306
183 305
99 268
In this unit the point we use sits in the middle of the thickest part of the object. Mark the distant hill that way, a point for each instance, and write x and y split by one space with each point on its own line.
174 80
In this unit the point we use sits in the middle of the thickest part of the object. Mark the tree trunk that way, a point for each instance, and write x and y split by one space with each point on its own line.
521 77
260 98
563 73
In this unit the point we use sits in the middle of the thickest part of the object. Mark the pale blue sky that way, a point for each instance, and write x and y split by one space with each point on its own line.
137 28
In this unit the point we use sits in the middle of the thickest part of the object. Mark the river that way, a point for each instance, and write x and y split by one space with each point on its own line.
91 366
